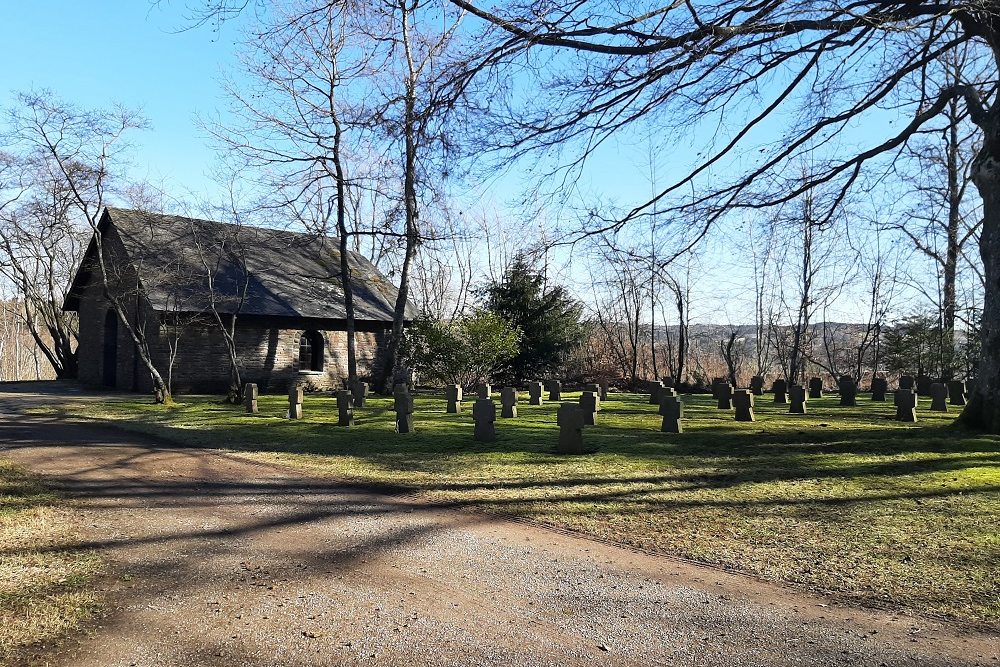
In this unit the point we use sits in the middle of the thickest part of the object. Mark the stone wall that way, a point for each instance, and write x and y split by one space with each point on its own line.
269 355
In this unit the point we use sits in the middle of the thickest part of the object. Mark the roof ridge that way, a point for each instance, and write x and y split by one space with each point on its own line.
306 234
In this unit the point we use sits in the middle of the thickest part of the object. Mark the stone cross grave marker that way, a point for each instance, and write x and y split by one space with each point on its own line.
956 392
848 391
815 387
484 413
604 386
535 393
879 387
484 390
906 405
656 388
797 396
345 408
360 391
724 392
716 383
453 392
939 397
590 404
570 419
508 402
555 390
250 398
402 403
742 399
923 385
295 402
672 411
780 389
906 382
757 385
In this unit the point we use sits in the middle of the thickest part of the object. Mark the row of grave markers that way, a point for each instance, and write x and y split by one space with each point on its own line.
904 398
570 417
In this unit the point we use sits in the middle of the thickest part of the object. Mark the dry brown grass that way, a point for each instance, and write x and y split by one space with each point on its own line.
43 584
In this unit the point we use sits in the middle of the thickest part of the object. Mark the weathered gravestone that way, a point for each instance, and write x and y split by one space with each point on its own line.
672 411
345 408
906 405
668 381
924 385
742 399
956 392
716 383
780 389
555 390
535 393
848 391
508 402
484 413
939 397
453 392
655 391
815 387
570 420
604 386
360 391
590 403
906 382
295 402
724 394
484 390
797 397
879 387
250 398
757 385
402 403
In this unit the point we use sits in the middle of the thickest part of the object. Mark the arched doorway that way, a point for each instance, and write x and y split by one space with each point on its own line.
111 349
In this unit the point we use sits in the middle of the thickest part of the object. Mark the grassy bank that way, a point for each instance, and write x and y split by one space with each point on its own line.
844 500
43 588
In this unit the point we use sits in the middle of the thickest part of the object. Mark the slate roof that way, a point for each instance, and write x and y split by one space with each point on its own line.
288 274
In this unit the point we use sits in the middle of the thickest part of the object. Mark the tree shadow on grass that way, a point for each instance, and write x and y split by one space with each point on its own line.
449 461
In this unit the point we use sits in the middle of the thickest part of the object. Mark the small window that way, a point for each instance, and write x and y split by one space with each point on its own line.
311 351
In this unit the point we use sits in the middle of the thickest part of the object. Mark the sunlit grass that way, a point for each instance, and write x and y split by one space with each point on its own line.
845 500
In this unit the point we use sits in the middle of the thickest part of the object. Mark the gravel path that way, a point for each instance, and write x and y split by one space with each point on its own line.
214 560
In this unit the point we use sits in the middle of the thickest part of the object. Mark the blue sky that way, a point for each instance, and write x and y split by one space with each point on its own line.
136 53
96 53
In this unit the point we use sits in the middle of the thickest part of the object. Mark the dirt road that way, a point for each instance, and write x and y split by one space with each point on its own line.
214 560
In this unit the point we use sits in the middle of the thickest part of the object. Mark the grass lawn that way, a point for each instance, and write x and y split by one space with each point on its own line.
43 593
844 500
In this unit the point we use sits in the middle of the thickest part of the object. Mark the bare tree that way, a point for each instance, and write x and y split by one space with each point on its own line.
618 309
83 148
944 220
39 252
824 68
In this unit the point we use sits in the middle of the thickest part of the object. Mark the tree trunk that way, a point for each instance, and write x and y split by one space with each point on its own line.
983 410
345 264
951 256
391 370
